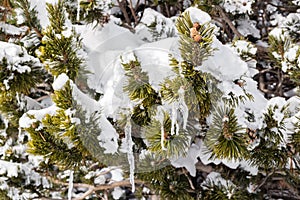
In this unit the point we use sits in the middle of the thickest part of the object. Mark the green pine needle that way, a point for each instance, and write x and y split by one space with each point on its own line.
175 145
191 51
225 138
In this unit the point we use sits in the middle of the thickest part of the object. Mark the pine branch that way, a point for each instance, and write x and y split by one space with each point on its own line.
195 40
225 138
31 17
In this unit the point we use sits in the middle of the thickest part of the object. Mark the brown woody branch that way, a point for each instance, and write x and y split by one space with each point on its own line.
92 188
133 13
122 6
224 16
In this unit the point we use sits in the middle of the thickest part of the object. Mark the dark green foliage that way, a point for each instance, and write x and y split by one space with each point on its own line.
53 147
30 15
169 183
20 82
226 138
142 115
195 86
207 5
175 145
151 162
280 45
90 11
60 54
295 137
175 188
10 108
34 33
218 191
139 88
192 81
292 28
57 16
165 31
20 77
86 135
295 76
63 97
3 195
270 153
234 100
64 142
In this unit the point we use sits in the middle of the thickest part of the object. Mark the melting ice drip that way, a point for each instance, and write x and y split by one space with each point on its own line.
160 117
70 185
78 11
130 157
183 108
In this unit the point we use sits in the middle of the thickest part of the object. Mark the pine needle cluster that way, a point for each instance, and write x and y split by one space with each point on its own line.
60 49
226 138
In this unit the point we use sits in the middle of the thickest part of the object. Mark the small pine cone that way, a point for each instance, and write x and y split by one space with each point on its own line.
193 32
197 38
34 125
196 25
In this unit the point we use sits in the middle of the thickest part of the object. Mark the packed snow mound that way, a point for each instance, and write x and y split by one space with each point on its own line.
17 61
224 64
109 37
60 81
155 26
12 30
104 46
16 56
198 15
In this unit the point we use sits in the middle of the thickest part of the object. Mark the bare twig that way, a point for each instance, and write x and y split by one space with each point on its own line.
42 98
92 188
86 194
122 6
224 16
133 12
189 179
167 10
264 181
285 7
279 90
203 168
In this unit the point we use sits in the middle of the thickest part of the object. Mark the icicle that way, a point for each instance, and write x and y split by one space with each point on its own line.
177 129
18 98
20 103
173 118
70 185
130 156
160 116
78 11
183 107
